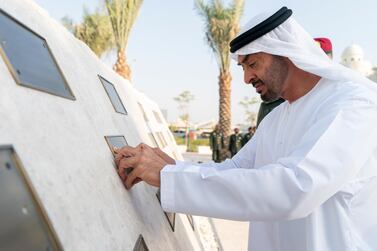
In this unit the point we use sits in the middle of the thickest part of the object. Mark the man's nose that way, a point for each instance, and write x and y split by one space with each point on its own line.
249 76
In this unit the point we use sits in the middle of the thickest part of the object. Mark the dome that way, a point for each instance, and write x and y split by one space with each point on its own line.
352 54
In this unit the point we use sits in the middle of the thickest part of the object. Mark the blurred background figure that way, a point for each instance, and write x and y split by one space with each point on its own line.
216 142
266 107
235 142
247 136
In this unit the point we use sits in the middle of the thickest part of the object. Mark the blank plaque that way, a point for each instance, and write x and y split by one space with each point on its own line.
157 116
153 139
163 138
140 244
143 112
29 58
171 136
113 96
23 225
160 140
169 216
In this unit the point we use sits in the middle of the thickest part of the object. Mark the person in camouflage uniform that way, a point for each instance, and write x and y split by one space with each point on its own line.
247 136
235 142
216 142
266 107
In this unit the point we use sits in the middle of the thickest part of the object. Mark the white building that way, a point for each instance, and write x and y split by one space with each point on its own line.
353 57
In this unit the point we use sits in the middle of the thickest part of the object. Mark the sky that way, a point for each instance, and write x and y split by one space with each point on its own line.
168 54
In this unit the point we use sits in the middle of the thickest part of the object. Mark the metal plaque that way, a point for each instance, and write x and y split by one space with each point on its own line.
113 95
23 225
116 142
29 58
153 139
157 116
143 112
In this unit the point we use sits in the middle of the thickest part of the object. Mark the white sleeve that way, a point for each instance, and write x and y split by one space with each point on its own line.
330 154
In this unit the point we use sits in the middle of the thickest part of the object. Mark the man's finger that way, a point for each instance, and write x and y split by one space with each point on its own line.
124 164
131 178
127 151
117 158
137 180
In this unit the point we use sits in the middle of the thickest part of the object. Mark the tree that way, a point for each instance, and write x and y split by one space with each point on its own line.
183 101
221 26
95 30
247 104
68 23
122 14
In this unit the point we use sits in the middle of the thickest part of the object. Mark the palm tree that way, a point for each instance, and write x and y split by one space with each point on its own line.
122 14
95 30
221 26
183 101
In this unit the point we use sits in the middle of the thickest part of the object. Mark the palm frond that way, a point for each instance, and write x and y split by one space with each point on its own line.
122 14
95 31
221 26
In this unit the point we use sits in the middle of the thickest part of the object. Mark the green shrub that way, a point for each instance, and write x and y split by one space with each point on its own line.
193 144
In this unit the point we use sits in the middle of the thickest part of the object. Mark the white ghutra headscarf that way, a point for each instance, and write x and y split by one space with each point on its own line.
290 40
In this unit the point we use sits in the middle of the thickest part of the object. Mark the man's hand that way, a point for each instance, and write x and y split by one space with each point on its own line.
146 162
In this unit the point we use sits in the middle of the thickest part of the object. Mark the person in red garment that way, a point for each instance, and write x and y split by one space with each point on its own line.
325 45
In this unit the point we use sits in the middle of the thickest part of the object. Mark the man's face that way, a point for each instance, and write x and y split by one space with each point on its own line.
266 72
236 130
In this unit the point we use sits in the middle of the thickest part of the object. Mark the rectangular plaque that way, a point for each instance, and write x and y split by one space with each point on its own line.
153 139
160 139
117 142
164 139
157 116
29 58
113 96
143 112
23 223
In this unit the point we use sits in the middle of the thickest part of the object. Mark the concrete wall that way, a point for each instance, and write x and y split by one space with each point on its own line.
61 145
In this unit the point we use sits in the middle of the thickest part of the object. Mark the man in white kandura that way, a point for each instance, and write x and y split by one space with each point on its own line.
307 180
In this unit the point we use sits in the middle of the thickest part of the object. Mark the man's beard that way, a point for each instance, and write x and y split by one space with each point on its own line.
270 96
275 77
